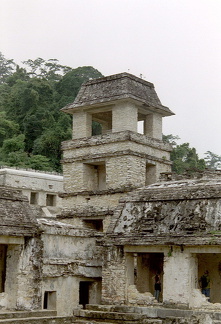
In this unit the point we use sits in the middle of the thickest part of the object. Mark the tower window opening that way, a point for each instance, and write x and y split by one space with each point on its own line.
3 254
49 301
34 198
95 176
50 200
95 224
101 123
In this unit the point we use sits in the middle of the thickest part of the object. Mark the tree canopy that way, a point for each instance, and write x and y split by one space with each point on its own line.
186 159
32 126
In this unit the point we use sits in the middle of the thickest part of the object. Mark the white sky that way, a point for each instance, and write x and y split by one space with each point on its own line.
176 44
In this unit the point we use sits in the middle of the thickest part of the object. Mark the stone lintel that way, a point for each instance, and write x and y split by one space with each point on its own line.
98 192
203 239
86 212
93 158
11 240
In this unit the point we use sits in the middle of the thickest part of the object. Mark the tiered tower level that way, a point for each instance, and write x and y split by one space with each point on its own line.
100 169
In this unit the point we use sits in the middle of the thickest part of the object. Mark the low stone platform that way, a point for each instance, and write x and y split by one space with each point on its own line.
145 315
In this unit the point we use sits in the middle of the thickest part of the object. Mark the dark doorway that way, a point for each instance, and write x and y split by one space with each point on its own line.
3 253
49 301
210 262
147 265
84 289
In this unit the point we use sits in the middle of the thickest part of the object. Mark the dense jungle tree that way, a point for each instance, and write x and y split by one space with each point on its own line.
30 102
184 157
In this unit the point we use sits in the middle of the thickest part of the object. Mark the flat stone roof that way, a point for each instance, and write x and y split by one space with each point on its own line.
16 217
31 174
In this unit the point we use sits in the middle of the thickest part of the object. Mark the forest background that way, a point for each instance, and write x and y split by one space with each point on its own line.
32 126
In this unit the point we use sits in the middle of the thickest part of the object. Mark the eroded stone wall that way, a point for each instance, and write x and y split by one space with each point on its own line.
70 256
113 276
29 276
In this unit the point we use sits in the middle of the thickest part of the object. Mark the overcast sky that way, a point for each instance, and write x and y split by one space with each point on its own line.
175 44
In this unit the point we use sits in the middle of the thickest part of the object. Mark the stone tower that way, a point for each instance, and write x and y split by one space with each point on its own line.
100 169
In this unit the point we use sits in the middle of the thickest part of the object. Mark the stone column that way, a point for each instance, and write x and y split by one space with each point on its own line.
153 126
143 273
82 125
130 268
177 280
124 117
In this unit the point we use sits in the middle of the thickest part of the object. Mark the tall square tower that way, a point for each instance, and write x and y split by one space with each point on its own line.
100 169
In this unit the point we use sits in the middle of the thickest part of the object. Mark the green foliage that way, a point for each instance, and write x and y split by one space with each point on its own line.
213 161
6 68
32 126
68 87
13 144
96 128
8 128
50 70
39 162
184 157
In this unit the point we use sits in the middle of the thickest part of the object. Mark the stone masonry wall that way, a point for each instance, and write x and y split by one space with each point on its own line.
70 256
124 171
113 276
30 275
105 145
124 117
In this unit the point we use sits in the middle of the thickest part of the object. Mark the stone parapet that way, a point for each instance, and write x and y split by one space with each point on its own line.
115 138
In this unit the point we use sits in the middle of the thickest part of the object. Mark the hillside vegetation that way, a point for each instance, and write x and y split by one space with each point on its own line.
32 126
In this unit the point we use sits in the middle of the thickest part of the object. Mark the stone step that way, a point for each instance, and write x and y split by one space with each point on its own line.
95 316
24 314
109 316
39 320
145 321
150 311
91 322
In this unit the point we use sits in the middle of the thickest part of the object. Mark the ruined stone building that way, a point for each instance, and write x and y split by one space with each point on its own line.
42 189
123 219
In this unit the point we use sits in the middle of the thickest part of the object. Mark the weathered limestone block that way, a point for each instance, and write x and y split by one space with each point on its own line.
136 298
113 274
163 212
124 117
177 277
125 170
16 219
29 283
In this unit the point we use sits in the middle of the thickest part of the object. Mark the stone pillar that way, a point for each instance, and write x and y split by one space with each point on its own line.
143 273
153 126
178 276
130 268
113 276
82 125
124 117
